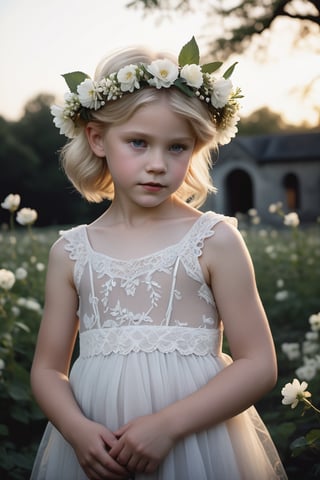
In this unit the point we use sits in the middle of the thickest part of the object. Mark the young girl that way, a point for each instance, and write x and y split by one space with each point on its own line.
150 285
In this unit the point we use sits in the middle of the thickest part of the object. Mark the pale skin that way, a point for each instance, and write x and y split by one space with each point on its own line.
148 157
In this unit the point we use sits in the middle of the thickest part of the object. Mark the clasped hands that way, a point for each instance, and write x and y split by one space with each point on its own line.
137 447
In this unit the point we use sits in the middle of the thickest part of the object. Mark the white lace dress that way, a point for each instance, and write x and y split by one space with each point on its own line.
150 335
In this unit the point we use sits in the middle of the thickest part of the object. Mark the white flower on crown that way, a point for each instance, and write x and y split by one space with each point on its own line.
164 73
221 92
127 76
63 122
229 131
192 74
89 95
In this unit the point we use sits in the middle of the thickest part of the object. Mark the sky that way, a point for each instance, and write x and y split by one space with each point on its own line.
42 39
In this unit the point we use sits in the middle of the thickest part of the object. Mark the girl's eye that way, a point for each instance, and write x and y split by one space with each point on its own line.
177 148
138 143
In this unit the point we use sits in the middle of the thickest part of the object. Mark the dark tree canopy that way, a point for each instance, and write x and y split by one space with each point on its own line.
242 20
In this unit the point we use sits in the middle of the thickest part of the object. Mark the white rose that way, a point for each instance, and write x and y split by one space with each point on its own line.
291 219
11 202
127 77
164 72
7 279
27 216
192 75
221 92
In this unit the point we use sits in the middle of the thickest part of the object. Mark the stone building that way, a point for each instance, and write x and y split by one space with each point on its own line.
255 171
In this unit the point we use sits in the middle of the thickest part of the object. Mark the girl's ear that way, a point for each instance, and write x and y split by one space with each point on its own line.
95 138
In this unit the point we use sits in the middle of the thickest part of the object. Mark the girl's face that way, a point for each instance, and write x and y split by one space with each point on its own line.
148 156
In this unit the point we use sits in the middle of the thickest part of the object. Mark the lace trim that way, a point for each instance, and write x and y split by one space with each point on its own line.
125 340
188 249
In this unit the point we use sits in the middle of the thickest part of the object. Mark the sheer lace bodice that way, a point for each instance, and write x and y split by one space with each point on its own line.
165 289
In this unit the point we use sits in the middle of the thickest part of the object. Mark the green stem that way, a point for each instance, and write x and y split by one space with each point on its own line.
310 404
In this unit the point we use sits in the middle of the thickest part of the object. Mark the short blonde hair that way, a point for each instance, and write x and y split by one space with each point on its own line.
89 173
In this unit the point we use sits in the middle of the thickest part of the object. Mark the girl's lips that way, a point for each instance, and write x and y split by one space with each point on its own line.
152 187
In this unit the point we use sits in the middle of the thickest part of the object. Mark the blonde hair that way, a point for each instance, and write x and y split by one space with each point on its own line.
89 173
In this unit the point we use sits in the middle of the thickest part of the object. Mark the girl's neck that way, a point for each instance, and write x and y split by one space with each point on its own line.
135 216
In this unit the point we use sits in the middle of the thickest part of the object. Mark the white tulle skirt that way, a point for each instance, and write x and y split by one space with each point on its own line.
115 389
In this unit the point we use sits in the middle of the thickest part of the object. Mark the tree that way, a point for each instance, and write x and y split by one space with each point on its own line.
243 20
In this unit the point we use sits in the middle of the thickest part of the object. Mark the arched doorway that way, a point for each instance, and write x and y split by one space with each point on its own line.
292 191
239 192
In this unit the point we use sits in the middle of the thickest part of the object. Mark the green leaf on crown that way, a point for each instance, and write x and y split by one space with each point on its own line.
73 79
210 67
181 85
229 71
189 53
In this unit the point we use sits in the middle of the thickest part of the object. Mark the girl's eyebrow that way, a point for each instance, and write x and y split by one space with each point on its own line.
175 138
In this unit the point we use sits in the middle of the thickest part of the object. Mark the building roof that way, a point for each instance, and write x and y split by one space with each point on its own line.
290 147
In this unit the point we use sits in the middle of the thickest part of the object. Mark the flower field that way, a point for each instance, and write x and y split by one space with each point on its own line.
287 264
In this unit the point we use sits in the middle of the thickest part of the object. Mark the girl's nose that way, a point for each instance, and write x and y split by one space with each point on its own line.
156 162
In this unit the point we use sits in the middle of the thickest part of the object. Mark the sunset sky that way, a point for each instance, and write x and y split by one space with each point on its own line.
40 39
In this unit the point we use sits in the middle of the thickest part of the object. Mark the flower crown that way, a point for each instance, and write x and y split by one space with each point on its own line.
188 76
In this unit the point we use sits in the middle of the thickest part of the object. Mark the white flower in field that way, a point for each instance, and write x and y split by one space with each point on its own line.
13 240
7 279
275 207
29 303
15 311
127 77
280 283
263 233
11 202
192 75
164 73
309 347
292 350
312 336
26 216
294 392
40 267
2 364
281 295
314 321
221 92
306 372
21 273
252 212
269 249
255 220
291 219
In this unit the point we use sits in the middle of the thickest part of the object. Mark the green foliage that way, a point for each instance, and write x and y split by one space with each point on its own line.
21 421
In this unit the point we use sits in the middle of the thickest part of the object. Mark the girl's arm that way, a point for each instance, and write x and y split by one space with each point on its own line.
227 265
49 373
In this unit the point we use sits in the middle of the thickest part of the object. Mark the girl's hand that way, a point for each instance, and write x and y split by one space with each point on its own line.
143 444
92 443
